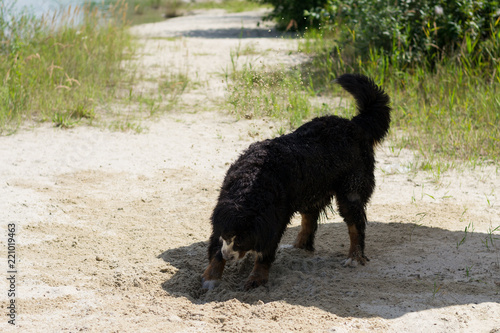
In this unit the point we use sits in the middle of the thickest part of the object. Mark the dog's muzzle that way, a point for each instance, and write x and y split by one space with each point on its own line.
228 256
228 253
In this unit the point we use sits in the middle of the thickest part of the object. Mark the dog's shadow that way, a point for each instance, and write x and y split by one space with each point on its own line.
412 268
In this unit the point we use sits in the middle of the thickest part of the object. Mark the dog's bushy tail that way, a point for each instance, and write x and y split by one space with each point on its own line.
372 102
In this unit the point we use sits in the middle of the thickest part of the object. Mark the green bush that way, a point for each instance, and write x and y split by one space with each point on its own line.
410 31
291 14
407 31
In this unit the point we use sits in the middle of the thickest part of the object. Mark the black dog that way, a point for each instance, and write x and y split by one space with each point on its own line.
300 172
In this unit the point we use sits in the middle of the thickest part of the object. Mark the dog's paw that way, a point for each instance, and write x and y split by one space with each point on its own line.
349 262
209 284
353 262
304 242
253 283
304 246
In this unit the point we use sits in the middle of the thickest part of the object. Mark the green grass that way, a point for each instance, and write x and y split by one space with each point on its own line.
150 11
166 96
270 92
146 99
60 72
231 6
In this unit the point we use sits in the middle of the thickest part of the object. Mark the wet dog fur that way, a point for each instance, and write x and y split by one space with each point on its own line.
300 172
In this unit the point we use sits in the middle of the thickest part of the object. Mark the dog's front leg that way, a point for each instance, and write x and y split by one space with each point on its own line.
260 272
212 275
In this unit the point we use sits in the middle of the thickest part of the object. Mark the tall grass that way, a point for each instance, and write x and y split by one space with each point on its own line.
257 93
59 68
150 11
270 92
449 110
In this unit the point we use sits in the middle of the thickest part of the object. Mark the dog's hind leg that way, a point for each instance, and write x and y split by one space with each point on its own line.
352 209
309 225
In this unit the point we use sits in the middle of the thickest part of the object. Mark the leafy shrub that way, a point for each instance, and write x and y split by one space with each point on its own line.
410 31
291 14
407 31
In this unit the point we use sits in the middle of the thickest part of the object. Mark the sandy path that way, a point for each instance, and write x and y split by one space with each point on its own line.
112 227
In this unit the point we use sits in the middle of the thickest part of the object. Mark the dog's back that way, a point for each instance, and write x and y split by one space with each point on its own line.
308 164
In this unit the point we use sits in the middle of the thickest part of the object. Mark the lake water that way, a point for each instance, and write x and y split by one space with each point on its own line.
41 7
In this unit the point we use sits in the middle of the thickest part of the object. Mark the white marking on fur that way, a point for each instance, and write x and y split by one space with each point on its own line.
349 262
227 250
210 284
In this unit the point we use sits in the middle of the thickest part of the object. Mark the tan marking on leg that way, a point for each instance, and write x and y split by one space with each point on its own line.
259 275
214 270
353 236
306 229
355 253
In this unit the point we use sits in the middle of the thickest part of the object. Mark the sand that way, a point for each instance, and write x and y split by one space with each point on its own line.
112 227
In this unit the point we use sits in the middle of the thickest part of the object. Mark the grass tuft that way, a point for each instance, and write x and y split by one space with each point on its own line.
59 68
